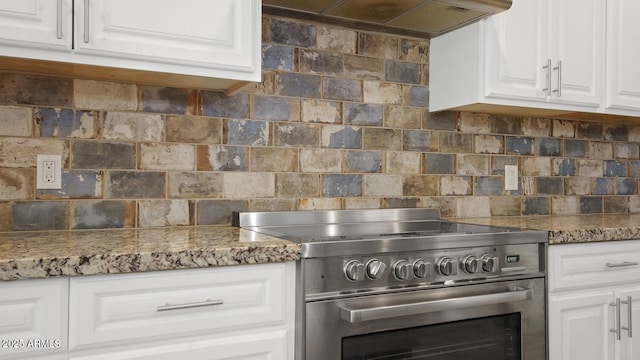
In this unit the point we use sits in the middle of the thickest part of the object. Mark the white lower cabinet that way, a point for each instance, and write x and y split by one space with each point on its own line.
594 301
234 312
33 318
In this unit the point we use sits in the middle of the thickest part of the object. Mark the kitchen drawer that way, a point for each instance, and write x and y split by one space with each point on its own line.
128 308
33 317
586 265
263 346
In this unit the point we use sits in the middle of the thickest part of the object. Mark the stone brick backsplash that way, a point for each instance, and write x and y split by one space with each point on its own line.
340 121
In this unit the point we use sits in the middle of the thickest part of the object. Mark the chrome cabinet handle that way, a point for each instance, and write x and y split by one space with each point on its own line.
208 302
617 329
59 20
629 316
622 264
353 315
559 68
548 67
86 21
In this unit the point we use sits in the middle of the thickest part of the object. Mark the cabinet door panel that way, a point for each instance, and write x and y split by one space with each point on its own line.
629 347
577 40
264 346
36 23
516 45
623 55
219 35
33 316
578 326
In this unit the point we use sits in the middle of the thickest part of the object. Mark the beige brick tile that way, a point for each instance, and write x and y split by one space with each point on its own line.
167 157
563 128
133 126
17 184
383 93
274 159
241 185
319 204
536 166
336 39
160 213
567 205
478 206
21 152
195 185
321 160
536 127
382 185
103 95
16 121
399 162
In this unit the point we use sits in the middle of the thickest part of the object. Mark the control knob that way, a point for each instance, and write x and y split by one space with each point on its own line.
490 263
421 269
375 269
470 264
354 270
403 270
447 266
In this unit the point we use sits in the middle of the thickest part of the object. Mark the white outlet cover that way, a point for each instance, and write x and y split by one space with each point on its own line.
511 177
55 176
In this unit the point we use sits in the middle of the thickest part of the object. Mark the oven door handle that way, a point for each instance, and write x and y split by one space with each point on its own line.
384 312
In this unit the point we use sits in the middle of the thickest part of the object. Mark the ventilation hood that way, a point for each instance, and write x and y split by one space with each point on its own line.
418 18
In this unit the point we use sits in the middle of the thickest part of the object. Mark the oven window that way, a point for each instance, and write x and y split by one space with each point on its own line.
489 338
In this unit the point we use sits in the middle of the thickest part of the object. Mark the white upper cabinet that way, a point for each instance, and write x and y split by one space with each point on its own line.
545 54
623 57
514 58
576 50
35 24
195 39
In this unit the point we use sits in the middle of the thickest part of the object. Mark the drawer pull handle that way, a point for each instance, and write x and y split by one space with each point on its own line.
168 307
622 264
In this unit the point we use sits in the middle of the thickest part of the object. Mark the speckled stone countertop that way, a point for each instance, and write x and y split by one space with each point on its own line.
25 255
572 229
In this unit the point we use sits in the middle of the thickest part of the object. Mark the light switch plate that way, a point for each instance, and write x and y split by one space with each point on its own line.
511 177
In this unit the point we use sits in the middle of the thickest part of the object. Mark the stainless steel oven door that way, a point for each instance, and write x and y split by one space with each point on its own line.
494 321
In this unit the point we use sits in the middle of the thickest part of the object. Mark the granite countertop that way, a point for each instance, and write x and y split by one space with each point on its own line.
25 255
572 228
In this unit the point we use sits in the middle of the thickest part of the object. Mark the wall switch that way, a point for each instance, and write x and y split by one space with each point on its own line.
511 177
49 172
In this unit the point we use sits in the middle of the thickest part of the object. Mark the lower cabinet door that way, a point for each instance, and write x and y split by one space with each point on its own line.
629 345
33 317
263 346
579 326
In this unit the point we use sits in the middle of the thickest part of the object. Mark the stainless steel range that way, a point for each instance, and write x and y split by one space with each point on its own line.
404 284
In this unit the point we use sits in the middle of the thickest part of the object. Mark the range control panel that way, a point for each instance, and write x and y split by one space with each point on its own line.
448 267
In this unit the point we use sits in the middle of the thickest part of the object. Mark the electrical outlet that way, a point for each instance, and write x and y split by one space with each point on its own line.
49 172
511 177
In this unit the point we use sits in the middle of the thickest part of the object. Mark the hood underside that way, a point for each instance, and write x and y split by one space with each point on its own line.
417 18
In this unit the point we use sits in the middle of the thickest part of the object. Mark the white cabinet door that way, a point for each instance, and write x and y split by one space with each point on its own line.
264 346
206 36
577 51
36 23
33 317
516 50
628 348
623 57
579 326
